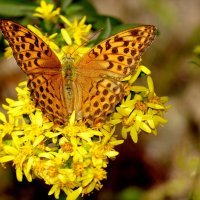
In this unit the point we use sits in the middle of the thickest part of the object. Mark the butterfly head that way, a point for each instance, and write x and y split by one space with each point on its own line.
67 59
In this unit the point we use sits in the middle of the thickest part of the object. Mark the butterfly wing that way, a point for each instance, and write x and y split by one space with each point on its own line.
41 65
119 55
105 65
98 97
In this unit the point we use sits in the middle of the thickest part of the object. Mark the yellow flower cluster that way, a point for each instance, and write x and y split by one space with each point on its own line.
77 31
72 158
46 12
142 111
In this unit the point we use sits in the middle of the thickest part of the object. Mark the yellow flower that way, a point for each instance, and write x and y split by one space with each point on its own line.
143 112
76 30
23 105
93 180
8 52
46 11
72 158
6 126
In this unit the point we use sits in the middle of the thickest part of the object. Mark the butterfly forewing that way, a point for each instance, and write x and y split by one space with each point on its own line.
42 66
31 52
118 55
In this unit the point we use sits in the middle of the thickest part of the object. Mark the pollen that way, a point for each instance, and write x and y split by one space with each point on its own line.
100 174
141 106
67 147
78 169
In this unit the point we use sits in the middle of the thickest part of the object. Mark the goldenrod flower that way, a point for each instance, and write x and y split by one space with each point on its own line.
71 158
142 112
46 11
76 30
8 52
23 105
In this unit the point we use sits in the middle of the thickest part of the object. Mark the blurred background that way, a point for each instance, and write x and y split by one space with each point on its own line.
165 167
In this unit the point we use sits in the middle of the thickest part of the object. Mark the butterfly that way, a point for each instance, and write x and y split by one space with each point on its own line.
91 87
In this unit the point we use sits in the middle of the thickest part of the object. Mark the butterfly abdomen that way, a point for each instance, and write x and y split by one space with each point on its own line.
68 76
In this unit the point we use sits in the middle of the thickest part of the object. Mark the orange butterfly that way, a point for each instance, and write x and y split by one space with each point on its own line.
92 86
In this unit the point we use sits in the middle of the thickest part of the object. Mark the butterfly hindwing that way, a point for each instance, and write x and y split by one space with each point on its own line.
46 92
101 99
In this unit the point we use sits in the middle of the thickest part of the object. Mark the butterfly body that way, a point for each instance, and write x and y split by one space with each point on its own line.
92 86
68 76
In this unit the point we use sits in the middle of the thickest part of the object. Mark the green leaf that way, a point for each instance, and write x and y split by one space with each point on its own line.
104 33
130 193
98 21
106 29
8 9
123 27
64 4
81 8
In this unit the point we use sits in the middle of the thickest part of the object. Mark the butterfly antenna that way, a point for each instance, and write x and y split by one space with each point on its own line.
86 42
